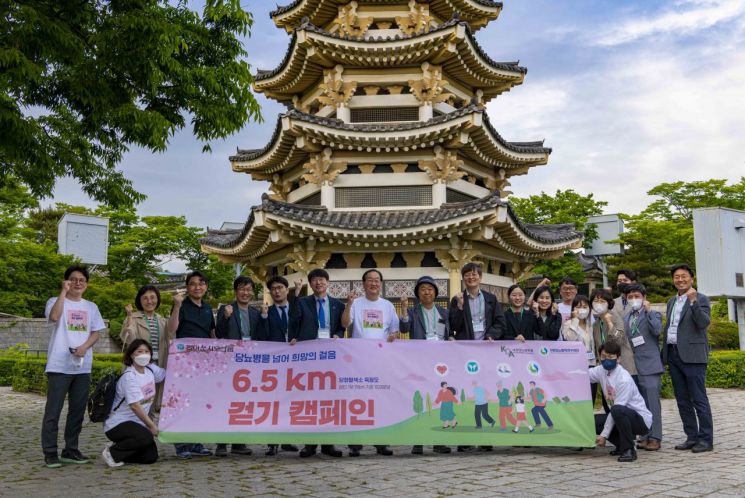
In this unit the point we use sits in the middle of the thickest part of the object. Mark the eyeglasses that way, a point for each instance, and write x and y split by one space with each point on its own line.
77 280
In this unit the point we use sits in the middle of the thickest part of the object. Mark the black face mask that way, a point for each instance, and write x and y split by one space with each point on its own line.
622 288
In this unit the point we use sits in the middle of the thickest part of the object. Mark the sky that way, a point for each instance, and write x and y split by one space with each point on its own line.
629 94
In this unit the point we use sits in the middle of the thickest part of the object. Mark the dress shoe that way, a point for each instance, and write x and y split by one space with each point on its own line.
331 451
486 448
441 449
464 449
354 452
288 447
615 452
685 446
417 450
652 445
272 450
384 450
240 449
642 444
701 447
307 452
627 456
221 450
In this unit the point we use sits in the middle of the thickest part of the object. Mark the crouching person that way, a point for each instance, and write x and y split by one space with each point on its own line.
129 426
628 415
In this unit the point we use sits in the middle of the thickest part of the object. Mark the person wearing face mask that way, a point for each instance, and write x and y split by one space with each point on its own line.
520 320
129 426
643 328
624 278
578 328
628 415
547 322
609 326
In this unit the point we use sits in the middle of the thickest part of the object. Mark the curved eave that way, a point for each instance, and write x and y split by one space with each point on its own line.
478 13
390 229
467 128
451 45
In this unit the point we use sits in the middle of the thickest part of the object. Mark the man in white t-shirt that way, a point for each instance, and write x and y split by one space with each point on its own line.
76 325
370 317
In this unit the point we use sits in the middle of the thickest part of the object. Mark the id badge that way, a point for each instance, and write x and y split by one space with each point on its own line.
591 356
433 338
637 341
324 334
478 327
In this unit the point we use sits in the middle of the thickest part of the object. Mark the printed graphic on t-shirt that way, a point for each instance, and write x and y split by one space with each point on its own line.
77 320
372 319
148 393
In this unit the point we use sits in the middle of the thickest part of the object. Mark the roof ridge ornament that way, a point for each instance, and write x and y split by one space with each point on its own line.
336 92
416 21
431 88
350 23
445 167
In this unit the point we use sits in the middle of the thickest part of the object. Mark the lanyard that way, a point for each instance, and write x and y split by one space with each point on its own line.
634 323
602 331
240 321
427 328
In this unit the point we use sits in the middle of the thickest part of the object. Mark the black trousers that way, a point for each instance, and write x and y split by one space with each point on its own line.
482 411
627 424
61 386
689 384
133 443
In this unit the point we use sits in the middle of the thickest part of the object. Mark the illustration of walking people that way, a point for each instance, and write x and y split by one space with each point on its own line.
538 396
521 420
505 407
447 400
481 405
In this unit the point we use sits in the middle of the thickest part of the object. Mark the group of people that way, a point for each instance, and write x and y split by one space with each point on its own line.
621 337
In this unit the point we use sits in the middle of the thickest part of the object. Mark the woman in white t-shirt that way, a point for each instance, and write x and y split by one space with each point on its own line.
129 426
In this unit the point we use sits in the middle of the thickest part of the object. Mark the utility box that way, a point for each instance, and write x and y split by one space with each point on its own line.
719 238
609 227
85 237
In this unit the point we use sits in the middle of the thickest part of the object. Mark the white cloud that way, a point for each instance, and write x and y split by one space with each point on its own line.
685 18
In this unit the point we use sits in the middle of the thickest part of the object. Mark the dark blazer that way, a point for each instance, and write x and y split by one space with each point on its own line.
693 341
519 324
230 328
461 323
271 326
548 330
304 318
417 329
647 356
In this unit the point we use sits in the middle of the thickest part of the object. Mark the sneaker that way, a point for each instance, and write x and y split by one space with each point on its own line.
221 450
106 454
515 430
73 456
199 450
531 429
184 454
52 461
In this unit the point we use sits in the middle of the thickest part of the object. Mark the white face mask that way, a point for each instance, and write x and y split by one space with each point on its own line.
583 313
142 360
636 304
599 308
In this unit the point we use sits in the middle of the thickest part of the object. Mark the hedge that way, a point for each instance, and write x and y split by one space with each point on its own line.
28 373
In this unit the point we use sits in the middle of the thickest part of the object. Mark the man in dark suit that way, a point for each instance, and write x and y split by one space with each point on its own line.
643 326
274 326
686 352
475 315
238 321
425 321
317 316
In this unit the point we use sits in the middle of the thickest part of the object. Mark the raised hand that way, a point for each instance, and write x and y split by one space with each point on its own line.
404 305
575 313
459 299
647 305
228 311
535 308
554 309
264 308
351 297
128 309
692 295
178 298
66 284
298 286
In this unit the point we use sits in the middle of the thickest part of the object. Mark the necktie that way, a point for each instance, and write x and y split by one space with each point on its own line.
283 316
321 314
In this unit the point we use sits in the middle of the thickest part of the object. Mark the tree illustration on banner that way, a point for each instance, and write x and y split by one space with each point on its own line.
428 403
417 403
462 395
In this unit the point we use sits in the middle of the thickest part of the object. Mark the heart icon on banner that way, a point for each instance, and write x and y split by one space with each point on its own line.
441 369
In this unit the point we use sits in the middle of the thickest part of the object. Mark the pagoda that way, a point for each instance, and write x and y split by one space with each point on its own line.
386 157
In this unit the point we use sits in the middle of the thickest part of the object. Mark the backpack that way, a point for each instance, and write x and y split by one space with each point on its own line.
101 402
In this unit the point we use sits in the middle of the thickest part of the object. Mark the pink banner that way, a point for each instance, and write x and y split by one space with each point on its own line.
371 392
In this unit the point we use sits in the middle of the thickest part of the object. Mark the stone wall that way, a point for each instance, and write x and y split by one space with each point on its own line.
35 332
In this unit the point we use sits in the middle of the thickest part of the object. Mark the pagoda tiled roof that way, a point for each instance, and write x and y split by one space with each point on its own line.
478 12
383 221
392 128
470 64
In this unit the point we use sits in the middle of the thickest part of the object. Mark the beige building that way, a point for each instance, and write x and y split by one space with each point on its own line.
386 157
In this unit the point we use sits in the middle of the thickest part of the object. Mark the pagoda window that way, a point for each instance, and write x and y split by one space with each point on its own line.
352 170
311 200
384 114
430 261
413 168
502 269
336 262
480 183
368 261
398 261
452 196
383 168
489 268
389 196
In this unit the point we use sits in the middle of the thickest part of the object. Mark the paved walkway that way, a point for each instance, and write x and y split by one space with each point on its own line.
510 472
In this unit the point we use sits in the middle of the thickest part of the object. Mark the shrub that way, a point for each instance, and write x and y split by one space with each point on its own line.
29 376
723 334
726 370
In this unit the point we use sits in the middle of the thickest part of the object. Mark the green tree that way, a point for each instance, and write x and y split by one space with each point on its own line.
565 206
83 81
428 403
417 403
520 389
462 395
